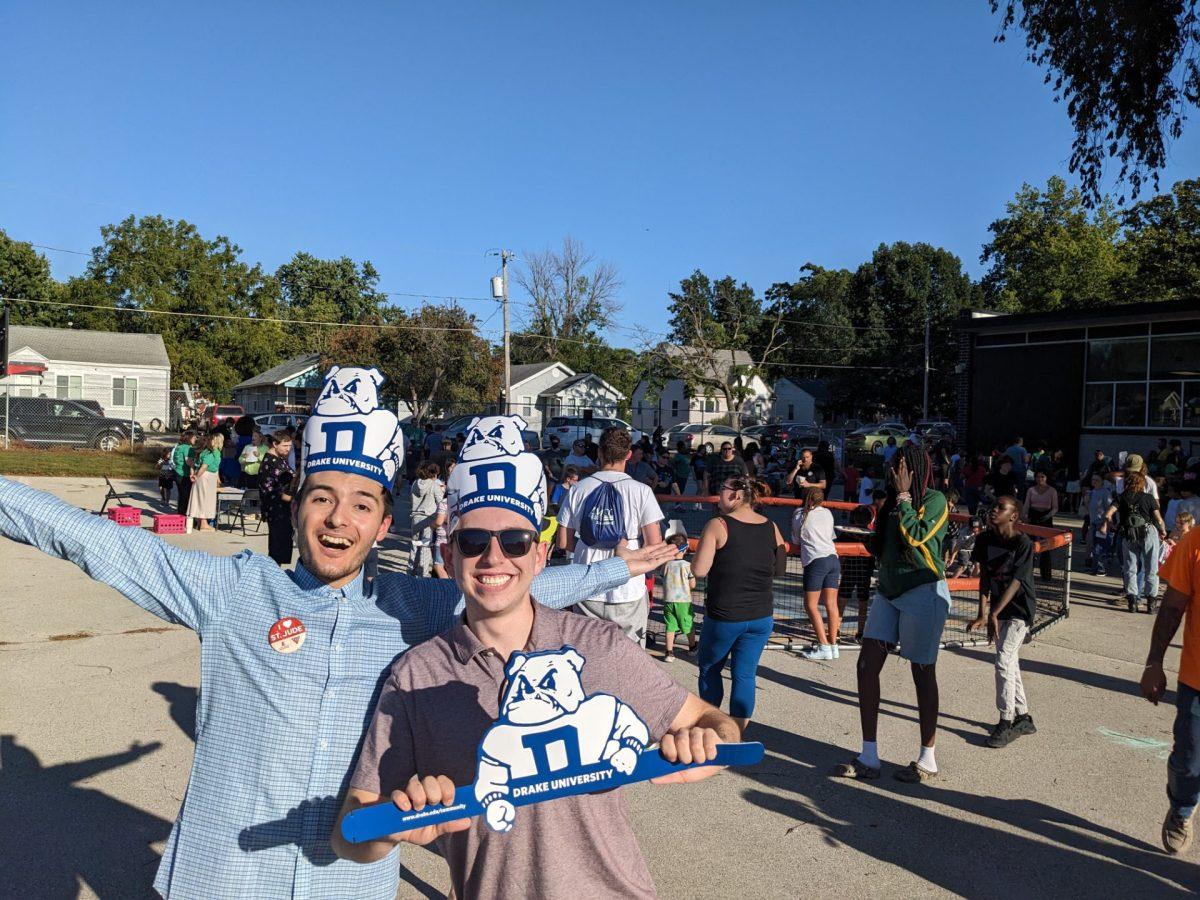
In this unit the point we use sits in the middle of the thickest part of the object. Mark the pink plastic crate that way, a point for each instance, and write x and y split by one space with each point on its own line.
170 524
126 515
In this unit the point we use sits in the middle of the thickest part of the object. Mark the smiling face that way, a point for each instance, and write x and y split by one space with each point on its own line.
338 516
492 583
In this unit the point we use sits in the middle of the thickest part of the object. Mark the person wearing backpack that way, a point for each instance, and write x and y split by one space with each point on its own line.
602 511
1141 527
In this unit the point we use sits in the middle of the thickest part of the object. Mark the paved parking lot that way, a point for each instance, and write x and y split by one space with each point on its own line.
97 720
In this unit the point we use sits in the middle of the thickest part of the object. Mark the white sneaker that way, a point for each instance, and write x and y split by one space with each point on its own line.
818 652
836 654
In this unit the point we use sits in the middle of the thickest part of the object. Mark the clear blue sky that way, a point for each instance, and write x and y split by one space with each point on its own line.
741 138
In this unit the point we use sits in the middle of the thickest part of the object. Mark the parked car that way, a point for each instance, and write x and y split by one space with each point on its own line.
214 414
936 429
44 421
569 429
872 438
807 433
272 422
697 434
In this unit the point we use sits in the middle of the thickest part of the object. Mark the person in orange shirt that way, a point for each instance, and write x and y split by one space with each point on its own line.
1181 572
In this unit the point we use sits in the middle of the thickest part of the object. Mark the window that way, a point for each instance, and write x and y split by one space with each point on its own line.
526 407
1141 382
674 407
68 387
791 412
710 405
125 392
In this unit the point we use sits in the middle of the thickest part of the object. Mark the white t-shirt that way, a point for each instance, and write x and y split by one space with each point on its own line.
579 462
816 535
1151 486
641 509
866 487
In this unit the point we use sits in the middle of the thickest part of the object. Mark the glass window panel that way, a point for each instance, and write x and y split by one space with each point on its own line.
1191 404
1166 404
1129 408
1098 405
1116 360
1175 356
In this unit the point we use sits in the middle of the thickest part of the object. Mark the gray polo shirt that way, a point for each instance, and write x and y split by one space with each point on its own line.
434 709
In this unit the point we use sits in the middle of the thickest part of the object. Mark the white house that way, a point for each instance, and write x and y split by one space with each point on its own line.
541 391
675 405
129 375
291 386
800 399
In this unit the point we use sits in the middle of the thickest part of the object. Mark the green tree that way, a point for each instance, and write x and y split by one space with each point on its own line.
25 275
1128 71
329 290
434 359
1162 246
1051 252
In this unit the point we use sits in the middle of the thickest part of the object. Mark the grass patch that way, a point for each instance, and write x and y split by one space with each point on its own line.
121 463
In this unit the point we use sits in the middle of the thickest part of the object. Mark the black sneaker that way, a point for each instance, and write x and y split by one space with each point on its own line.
1131 602
1002 735
1150 606
1023 724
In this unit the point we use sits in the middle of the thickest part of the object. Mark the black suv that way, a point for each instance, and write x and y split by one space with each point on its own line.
69 423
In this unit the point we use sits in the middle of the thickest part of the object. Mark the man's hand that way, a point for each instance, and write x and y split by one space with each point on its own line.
902 477
688 745
976 623
647 559
1154 683
421 792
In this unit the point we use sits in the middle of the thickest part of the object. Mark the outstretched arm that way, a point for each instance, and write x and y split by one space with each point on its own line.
181 586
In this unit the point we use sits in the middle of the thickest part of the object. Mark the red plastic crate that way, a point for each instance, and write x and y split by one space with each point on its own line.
170 524
126 515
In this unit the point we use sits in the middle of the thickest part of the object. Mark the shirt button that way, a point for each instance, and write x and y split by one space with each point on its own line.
337 648
323 744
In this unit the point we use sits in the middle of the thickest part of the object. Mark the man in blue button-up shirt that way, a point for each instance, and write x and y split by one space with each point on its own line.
279 720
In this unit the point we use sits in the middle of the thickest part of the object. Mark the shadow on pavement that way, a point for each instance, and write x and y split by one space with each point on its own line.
1032 850
181 701
56 835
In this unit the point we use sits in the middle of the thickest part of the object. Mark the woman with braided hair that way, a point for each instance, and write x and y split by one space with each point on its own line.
909 609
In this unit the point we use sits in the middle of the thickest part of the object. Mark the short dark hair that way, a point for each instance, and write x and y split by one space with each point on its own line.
386 497
615 444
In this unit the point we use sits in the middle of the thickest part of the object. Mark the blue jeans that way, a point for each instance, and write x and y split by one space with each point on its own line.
1139 565
741 643
1183 765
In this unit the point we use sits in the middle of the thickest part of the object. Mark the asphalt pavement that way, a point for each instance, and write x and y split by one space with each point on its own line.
97 725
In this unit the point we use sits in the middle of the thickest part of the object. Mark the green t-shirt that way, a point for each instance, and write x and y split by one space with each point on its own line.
683 466
179 457
210 459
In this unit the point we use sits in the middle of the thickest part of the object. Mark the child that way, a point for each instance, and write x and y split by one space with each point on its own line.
1184 521
1005 558
678 584
959 563
166 474
427 493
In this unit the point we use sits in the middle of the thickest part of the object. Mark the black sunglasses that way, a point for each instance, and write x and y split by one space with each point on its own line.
514 542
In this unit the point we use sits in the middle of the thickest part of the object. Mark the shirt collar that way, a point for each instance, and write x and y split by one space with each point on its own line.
307 581
467 646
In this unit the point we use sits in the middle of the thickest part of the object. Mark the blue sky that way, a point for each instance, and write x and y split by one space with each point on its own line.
740 138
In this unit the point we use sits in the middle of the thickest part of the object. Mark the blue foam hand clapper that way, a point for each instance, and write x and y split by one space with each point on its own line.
551 740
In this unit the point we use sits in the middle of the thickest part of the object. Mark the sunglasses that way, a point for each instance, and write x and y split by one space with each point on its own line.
514 542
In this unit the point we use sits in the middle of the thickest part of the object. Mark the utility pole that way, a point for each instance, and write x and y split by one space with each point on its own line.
925 397
500 292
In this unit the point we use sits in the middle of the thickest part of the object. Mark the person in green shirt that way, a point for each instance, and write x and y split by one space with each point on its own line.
180 462
909 609
681 466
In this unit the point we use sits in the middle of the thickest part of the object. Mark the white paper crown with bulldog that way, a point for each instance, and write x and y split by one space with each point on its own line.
348 432
494 469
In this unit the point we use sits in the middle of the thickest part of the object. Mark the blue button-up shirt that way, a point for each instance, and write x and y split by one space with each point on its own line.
277 734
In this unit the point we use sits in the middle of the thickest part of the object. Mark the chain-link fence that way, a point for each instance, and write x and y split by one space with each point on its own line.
792 624
88 414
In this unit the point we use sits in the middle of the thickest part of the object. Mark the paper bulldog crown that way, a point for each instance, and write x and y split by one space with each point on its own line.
348 432
495 470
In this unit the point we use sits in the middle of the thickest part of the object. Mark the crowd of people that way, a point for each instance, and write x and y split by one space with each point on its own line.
478 602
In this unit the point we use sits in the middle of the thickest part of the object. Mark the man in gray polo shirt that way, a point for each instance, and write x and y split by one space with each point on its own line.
442 697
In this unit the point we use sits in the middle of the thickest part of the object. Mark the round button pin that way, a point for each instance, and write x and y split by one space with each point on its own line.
286 635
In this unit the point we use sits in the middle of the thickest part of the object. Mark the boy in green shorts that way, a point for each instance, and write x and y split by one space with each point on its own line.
678 582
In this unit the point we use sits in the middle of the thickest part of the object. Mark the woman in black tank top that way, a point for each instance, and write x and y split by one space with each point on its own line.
741 552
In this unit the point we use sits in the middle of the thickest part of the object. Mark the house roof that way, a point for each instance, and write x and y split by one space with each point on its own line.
561 386
814 387
80 345
528 370
285 371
